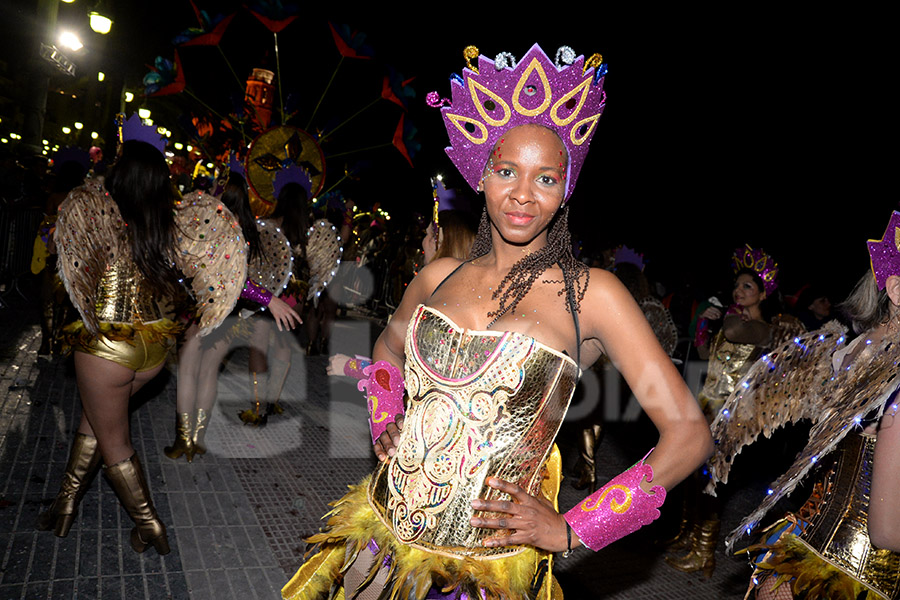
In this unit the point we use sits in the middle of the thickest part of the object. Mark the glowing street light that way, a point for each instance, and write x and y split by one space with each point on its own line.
100 23
144 113
94 135
66 130
101 75
69 40
129 96
79 125
179 145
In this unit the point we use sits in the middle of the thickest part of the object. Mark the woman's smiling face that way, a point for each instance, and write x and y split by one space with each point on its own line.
524 183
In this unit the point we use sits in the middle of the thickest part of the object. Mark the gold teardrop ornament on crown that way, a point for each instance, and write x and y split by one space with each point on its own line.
474 88
548 92
582 88
457 119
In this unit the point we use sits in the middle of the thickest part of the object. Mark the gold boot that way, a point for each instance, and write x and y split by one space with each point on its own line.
84 462
586 467
184 442
201 420
251 416
702 554
127 479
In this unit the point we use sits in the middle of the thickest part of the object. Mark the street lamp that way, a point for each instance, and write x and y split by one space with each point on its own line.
69 40
66 130
101 76
129 96
144 113
100 23
79 125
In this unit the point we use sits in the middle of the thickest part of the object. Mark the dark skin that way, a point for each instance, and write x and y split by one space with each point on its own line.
524 189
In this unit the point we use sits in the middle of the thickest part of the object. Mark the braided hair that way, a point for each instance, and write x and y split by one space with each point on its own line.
526 270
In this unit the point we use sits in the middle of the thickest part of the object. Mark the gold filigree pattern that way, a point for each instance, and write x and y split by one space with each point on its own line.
481 404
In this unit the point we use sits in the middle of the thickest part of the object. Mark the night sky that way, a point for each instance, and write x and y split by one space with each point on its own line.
722 127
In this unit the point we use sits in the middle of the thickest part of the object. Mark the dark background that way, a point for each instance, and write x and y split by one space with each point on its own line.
723 126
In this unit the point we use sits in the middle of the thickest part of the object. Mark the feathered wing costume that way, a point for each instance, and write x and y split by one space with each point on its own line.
210 251
323 254
273 266
798 381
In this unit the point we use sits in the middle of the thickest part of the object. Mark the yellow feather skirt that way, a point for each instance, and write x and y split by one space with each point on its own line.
352 524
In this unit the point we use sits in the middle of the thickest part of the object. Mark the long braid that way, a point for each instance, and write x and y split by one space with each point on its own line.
525 271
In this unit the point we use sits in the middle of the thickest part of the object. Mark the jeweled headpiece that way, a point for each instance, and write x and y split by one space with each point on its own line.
566 96
760 263
133 128
884 254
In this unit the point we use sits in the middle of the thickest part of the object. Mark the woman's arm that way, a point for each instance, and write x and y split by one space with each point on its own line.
614 318
884 507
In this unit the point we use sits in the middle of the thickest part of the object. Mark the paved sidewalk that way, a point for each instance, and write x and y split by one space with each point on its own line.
236 517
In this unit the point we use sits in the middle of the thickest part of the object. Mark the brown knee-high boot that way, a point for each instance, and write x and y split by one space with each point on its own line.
184 440
201 420
127 479
84 462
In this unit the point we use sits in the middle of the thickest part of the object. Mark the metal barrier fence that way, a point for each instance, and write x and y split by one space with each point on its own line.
18 226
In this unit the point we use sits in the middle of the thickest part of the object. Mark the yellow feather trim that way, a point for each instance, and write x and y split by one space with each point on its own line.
352 524
162 331
789 558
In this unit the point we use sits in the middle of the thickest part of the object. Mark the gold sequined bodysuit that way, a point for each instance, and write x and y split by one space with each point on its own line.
728 362
481 404
828 538
134 333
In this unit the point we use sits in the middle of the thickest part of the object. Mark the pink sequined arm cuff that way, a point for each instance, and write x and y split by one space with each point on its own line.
256 293
384 395
617 509
355 367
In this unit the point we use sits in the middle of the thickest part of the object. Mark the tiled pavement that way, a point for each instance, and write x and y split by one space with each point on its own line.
236 516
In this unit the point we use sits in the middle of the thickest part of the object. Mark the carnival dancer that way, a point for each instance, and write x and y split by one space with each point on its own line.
750 326
199 358
844 543
489 352
124 243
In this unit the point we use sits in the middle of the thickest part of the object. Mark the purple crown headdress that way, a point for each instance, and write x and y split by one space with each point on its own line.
567 97
624 254
133 128
291 175
235 165
884 254
760 263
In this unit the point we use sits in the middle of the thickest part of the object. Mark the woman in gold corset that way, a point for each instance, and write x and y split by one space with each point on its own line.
124 243
463 501
749 328
844 543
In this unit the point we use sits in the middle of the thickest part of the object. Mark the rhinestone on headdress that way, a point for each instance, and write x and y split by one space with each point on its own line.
884 254
760 263
496 96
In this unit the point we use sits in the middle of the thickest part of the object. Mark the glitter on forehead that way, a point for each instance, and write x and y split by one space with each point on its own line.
884 254
495 98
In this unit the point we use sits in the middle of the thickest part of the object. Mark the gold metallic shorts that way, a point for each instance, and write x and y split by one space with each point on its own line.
139 347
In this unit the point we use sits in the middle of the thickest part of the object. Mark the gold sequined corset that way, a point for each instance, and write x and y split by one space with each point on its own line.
122 297
728 363
839 529
481 404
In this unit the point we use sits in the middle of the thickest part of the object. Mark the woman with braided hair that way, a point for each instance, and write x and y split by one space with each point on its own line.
463 502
